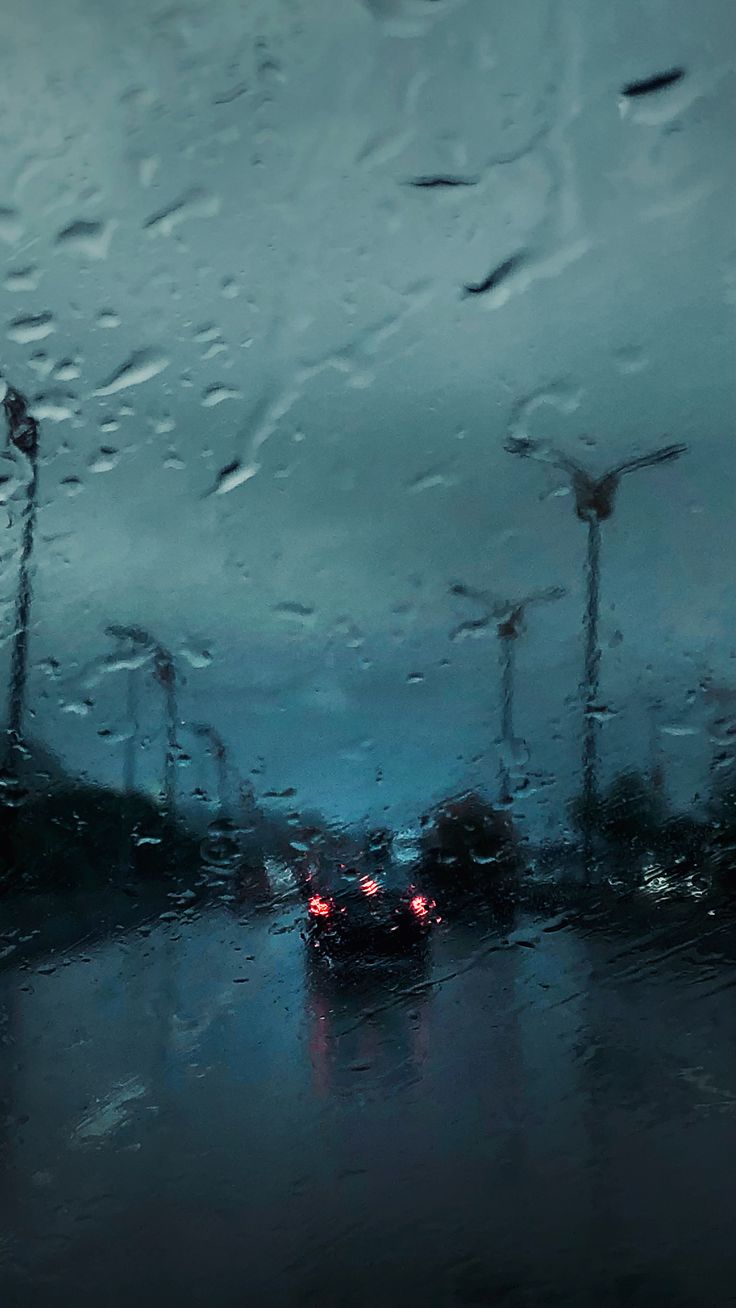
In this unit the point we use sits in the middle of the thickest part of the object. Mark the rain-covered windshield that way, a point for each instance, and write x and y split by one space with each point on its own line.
367 483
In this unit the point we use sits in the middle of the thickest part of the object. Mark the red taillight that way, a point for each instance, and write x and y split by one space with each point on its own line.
370 886
420 905
319 907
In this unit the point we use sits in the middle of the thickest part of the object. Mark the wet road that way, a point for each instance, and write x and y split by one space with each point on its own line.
543 1112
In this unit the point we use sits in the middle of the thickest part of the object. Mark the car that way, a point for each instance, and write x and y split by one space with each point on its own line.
355 912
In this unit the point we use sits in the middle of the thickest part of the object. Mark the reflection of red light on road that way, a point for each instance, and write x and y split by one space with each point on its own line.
319 907
369 886
319 1044
419 904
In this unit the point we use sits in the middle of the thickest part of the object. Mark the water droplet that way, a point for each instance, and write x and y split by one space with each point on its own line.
105 460
23 279
207 333
54 406
11 227
428 481
471 629
293 609
234 93
36 327
195 204
217 347
601 712
41 364
653 85
496 277
215 395
140 367
90 239
77 708
196 657
233 475
66 370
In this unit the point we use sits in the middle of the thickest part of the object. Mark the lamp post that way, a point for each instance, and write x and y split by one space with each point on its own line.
656 757
23 436
164 673
138 639
509 616
219 754
594 499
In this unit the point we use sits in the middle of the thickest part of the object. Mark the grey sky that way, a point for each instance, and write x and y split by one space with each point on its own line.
219 192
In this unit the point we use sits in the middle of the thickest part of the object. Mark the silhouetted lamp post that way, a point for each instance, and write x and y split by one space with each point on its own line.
219 754
135 637
23 436
509 615
165 675
656 758
594 502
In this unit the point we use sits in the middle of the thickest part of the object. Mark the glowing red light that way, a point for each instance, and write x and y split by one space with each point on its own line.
319 907
369 886
419 904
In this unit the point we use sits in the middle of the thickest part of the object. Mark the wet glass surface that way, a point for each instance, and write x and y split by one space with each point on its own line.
541 1111
367 665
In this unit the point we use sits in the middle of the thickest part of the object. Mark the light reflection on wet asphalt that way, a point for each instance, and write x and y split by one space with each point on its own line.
542 1111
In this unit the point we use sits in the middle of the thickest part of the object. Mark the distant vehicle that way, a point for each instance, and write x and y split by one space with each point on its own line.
364 912
468 849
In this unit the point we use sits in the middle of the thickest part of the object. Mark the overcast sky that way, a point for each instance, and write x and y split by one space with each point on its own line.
273 422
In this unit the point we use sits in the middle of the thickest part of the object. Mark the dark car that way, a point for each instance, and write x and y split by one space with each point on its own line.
354 912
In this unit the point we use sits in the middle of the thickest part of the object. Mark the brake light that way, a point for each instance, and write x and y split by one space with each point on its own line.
369 886
319 907
420 905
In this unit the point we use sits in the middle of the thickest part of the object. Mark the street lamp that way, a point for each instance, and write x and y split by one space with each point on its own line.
509 616
594 502
219 754
23 436
165 674
136 637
